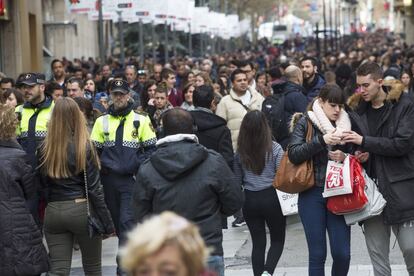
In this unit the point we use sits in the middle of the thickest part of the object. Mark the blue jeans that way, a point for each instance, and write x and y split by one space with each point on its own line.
216 264
316 220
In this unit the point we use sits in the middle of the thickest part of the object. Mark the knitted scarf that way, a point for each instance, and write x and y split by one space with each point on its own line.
319 119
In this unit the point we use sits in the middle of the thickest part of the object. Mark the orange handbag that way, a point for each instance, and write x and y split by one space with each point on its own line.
291 178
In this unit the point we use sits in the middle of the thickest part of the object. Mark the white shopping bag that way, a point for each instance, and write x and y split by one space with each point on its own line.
338 178
288 203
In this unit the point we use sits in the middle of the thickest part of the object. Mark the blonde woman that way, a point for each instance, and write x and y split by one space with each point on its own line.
166 244
65 154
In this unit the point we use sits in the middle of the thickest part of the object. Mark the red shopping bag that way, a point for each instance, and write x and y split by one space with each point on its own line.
345 204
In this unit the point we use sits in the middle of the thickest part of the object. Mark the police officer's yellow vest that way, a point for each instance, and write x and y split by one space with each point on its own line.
104 131
41 122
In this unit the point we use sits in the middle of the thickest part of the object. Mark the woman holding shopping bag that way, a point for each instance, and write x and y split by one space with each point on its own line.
70 167
328 120
255 165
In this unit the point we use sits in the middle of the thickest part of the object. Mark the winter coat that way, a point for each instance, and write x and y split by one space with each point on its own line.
231 110
213 133
184 177
299 151
393 151
312 89
21 248
295 101
73 187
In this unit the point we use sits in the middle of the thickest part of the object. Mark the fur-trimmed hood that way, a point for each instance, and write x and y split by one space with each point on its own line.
395 87
294 120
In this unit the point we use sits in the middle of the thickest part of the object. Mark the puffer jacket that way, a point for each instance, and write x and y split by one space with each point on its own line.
184 177
299 150
393 150
231 110
73 187
21 248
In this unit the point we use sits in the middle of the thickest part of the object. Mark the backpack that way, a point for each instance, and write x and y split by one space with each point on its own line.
274 109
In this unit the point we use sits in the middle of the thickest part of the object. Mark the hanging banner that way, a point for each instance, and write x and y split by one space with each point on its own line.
161 11
143 11
80 6
180 9
200 20
233 21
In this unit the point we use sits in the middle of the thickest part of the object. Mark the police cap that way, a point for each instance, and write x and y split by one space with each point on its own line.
31 79
119 86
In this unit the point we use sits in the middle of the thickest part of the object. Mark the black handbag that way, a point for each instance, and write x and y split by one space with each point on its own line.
95 226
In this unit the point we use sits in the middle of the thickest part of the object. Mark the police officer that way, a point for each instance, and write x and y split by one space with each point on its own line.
33 115
123 139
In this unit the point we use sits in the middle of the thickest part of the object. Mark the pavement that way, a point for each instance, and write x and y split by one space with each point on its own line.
293 262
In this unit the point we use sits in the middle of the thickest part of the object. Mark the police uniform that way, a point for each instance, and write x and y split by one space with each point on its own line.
123 139
32 127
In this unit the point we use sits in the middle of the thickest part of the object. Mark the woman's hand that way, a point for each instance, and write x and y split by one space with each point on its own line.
338 156
332 138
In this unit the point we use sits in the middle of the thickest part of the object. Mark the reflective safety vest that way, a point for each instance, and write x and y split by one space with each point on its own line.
32 127
121 154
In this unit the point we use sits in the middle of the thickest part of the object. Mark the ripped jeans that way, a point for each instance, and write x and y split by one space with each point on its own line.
377 238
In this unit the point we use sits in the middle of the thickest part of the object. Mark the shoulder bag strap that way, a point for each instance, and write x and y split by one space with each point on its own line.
245 106
86 192
309 132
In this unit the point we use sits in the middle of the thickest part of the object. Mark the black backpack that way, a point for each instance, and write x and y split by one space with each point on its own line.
274 109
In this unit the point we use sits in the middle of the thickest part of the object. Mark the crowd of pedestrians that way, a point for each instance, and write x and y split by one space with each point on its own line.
98 148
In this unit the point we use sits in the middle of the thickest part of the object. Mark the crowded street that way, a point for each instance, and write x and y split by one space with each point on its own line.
206 137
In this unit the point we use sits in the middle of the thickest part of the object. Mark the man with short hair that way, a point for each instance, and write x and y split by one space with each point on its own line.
292 100
312 80
212 130
174 96
134 86
58 72
240 100
6 83
184 177
123 140
74 88
54 90
250 70
383 121
233 108
156 73
33 117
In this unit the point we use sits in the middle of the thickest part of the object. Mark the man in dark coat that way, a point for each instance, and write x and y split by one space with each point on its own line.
184 177
294 101
21 248
383 122
312 80
212 130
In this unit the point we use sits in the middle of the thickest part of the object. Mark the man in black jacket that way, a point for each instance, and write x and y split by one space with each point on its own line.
184 177
212 131
294 100
312 80
384 129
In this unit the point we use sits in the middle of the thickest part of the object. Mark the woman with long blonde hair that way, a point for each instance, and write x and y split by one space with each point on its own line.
69 164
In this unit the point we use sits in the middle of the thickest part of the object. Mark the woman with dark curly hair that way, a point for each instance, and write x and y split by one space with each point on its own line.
21 248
